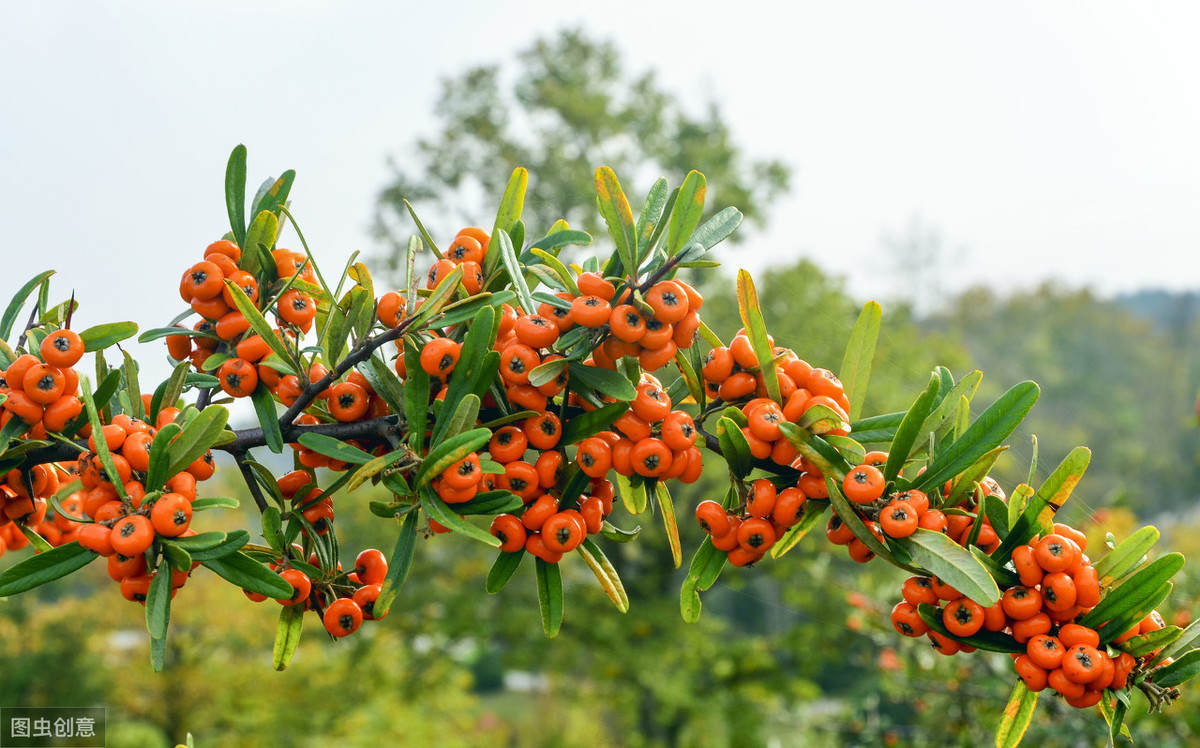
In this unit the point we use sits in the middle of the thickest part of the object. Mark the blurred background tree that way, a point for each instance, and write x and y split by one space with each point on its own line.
571 106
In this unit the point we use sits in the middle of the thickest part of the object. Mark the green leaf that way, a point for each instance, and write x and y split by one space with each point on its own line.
649 222
178 558
158 602
991 428
235 193
233 542
102 450
560 270
272 528
814 511
818 451
204 541
756 329
502 570
239 569
614 208
604 381
985 640
441 295
44 567
561 238
1188 639
451 451
617 535
953 564
669 522
268 417
502 246
287 635
689 208
273 194
860 350
1140 646
466 309
605 573
910 429
398 565
1183 669
259 324
550 596
1129 554
716 229
632 492
416 394
18 301
1018 715
592 422
1133 593
438 510
1115 716
262 232
99 337
702 573
197 438
511 205
490 503
734 446
1053 493
472 363
335 448
853 521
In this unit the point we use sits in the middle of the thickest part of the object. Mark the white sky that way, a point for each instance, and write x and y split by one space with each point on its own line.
1041 140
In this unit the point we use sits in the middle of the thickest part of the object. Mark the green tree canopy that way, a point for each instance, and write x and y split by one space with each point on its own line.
571 107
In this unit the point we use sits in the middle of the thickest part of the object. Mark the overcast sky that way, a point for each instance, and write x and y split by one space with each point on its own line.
1040 140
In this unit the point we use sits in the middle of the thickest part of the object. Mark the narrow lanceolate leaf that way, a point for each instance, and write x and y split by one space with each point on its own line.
734 446
1183 669
511 205
335 448
716 229
1129 554
756 329
942 417
421 229
102 451
877 429
259 324
818 451
235 193
559 269
451 451
910 430
99 337
631 492
1053 493
1018 715
853 521
287 635
860 351
273 194
668 514
197 438
814 511
416 394
1188 639
158 602
233 542
689 208
604 381
398 565
475 347
990 430
592 422
986 640
239 569
1115 716
14 306
953 564
550 596
1140 646
618 216
441 295
606 575
502 245
705 568
268 417
502 570
651 216
440 511
1135 591
44 567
